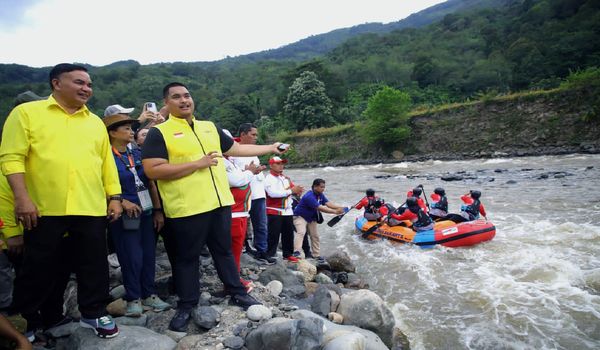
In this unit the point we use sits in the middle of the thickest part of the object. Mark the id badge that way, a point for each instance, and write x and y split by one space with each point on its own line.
145 201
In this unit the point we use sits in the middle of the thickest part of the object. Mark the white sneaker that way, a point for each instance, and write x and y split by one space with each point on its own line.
113 261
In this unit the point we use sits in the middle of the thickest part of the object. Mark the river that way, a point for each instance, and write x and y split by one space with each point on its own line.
531 287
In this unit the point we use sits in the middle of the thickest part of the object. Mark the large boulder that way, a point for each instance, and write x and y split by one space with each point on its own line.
365 309
130 337
340 261
282 333
293 281
333 331
309 271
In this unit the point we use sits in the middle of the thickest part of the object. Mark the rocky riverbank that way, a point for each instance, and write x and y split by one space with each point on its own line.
306 305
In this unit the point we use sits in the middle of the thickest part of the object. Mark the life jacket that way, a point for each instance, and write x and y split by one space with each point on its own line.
422 218
441 204
472 209
370 207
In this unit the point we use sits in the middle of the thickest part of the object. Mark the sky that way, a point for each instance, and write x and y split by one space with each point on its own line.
41 33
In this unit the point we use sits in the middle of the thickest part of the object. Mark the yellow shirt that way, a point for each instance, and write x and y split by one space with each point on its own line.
7 212
67 160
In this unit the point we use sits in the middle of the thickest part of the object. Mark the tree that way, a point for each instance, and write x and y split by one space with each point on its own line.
307 104
387 118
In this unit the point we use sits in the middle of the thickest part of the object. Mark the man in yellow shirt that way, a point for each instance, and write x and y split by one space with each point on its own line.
184 155
57 158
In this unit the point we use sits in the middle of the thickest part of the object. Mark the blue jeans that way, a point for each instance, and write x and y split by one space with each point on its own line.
135 250
258 215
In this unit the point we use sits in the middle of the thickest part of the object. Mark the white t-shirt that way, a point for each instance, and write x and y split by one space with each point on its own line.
258 182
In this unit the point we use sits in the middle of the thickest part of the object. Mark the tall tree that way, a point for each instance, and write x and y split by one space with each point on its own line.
307 104
387 118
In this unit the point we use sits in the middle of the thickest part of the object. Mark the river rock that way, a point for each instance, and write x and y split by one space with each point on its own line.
70 304
293 283
340 261
233 343
132 321
335 318
311 288
258 313
365 309
333 331
321 304
452 177
347 341
130 337
63 331
118 292
206 317
117 307
281 333
275 288
323 279
308 270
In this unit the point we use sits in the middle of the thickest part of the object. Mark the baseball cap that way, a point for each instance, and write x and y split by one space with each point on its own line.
276 159
117 109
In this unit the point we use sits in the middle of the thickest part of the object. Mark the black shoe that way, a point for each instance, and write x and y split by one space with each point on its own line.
264 258
243 300
180 321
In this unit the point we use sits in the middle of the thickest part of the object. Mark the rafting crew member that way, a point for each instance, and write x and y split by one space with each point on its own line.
439 204
413 212
416 192
374 206
471 209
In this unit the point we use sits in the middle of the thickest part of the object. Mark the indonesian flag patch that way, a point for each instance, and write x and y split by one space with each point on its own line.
178 134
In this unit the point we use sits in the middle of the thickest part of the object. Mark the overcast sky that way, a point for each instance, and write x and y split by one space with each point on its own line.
45 32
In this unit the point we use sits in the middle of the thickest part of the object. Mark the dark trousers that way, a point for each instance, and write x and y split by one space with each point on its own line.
190 234
170 248
136 252
281 225
258 216
45 265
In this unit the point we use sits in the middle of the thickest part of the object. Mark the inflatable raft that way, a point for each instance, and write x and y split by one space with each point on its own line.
446 233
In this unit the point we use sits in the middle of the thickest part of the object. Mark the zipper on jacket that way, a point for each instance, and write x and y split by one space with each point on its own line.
209 168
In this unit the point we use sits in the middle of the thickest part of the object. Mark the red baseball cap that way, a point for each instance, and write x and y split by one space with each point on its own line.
276 159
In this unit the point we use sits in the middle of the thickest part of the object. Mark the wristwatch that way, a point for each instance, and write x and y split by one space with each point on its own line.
116 197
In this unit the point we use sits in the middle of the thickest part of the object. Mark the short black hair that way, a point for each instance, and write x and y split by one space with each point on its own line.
169 86
61 68
318 182
245 128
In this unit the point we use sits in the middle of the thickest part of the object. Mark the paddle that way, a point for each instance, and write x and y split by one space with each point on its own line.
337 219
425 196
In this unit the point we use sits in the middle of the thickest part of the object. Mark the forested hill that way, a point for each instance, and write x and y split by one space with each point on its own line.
317 45
526 44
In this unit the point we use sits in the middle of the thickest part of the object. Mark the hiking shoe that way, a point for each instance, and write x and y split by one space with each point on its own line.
243 300
134 308
30 335
179 322
308 256
320 259
292 258
155 303
103 327
264 258
297 255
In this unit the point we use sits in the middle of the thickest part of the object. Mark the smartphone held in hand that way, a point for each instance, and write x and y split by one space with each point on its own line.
283 147
151 107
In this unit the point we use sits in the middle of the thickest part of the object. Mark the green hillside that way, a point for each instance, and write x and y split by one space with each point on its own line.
525 44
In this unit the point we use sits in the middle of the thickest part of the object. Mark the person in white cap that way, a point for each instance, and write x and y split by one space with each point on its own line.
279 189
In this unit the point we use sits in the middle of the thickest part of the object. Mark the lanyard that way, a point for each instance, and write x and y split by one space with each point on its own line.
130 166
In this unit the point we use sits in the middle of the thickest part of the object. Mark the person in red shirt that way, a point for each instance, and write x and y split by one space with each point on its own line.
413 212
375 207
416 192
471 209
